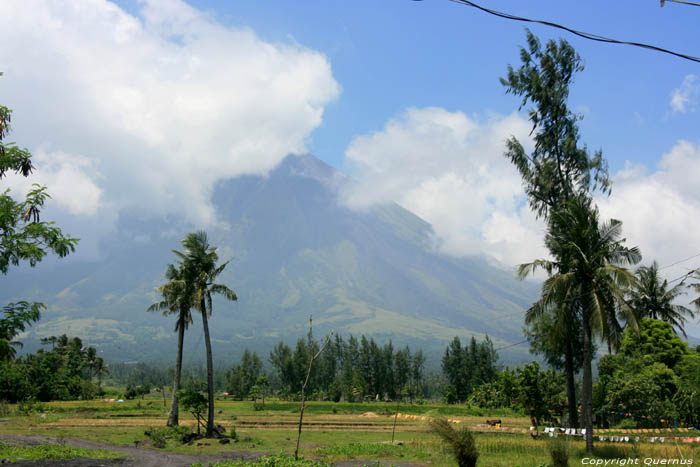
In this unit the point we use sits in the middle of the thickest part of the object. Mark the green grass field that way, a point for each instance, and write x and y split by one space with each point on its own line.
14 453
332 432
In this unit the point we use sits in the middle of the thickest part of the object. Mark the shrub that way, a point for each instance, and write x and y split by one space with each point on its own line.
460 442
559 451
159 436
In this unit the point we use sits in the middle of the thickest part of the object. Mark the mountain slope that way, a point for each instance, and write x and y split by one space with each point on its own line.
295 251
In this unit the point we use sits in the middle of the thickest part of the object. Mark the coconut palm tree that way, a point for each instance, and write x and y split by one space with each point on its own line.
199 261
100 370
696 287
14 319
588 273
177 299
652 298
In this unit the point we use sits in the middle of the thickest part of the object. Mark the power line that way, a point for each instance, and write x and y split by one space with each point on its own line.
678 262
585 35
511 345
679 1
684 276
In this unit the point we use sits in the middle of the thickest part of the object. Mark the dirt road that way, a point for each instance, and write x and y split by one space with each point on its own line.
136 456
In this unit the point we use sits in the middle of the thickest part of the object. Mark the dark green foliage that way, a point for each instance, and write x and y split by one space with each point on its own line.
243 377
16 317
687 398
193 401
656 340
544 336
540 392
460 442
132 392
557 169
502 392
468 367
62 373
654 377
351 370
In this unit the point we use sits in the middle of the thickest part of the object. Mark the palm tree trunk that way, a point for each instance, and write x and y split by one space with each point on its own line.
210 373
173 416
570 387
587 390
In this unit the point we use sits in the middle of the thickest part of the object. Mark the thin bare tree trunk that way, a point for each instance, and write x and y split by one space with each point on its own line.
303 393
210 373
173 416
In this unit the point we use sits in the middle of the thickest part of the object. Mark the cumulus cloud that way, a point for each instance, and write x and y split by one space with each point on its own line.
72 181
164 104
449 169
660 210
686 97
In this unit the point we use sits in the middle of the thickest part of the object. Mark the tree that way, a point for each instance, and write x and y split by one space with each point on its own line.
588 275
652 298
312 358
558 169
539 392
17 316
195 402
696 287
687 399
100 370
242 377
200 268
23 236
177 296
655 340
468 367
263 386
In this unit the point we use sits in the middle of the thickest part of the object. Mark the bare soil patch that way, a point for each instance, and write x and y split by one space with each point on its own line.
136 456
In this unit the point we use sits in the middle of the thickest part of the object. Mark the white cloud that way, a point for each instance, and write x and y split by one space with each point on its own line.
686 97
71 181
450 170
660 211
165 104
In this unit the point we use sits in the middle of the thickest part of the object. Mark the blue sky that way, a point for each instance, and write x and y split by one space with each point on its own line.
395 54
119 100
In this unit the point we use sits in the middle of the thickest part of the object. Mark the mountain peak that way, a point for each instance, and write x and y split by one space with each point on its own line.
309 166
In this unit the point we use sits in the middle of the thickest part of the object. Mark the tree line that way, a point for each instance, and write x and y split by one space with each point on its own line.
349 369
67 371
